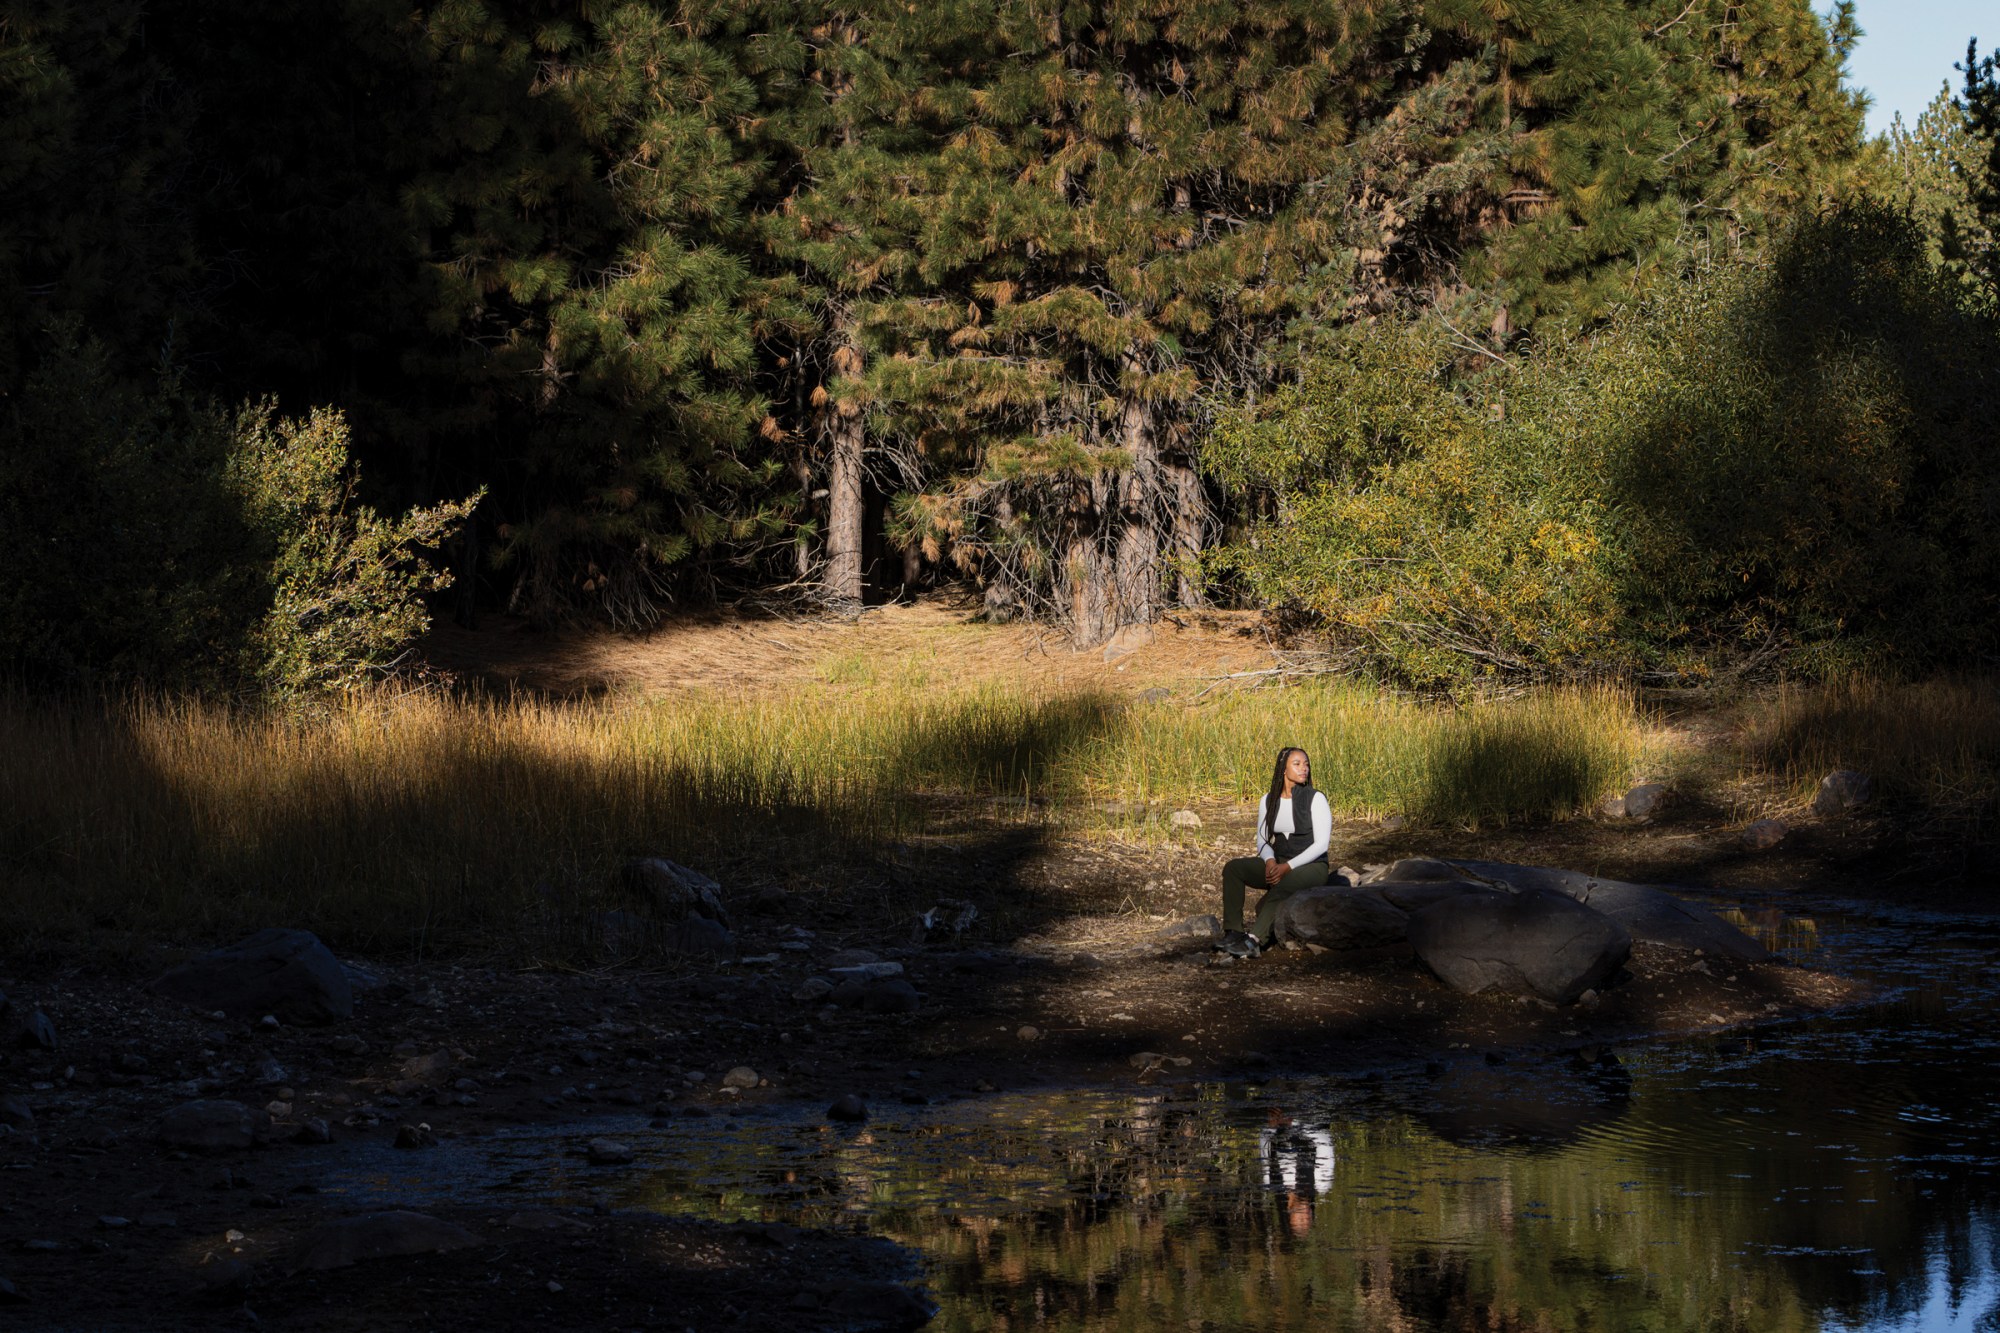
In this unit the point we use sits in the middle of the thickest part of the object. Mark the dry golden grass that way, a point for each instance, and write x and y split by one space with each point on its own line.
1932 744
409 822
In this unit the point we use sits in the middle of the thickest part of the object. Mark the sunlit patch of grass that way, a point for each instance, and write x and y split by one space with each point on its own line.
1541 756
1932 743
404 823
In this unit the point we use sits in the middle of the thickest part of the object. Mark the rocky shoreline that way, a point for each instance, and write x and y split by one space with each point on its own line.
155 1152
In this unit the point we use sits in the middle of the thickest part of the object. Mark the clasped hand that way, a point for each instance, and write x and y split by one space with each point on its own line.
1275 870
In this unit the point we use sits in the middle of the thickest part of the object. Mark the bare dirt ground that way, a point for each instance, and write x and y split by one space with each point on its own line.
1063 981
747 654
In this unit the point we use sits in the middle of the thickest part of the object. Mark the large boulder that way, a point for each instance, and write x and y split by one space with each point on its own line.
1413 870
284 972
1649 914
1536 942
1411 897
1340 918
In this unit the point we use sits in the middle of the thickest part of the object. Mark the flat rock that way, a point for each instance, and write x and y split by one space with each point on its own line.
212 1126
380 1236
852 958
1648 913
610 1152
1413 870
288 973
1536 942
1340 918
866 971
813 988
1417 895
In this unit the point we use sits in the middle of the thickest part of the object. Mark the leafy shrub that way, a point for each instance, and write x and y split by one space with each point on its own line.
154 537
1783 460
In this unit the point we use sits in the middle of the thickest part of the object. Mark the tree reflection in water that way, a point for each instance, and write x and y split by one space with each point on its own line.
1837 1175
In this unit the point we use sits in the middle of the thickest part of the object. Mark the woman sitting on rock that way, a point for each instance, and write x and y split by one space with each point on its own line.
1294 826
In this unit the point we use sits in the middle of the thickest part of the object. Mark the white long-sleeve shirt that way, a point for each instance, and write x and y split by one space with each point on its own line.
1322 818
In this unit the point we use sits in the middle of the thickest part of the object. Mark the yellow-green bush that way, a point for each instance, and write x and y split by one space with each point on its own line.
158 537
1789 458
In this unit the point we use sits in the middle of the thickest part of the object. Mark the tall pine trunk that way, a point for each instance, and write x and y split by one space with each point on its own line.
1138 573
844 437
1189 504
1092 586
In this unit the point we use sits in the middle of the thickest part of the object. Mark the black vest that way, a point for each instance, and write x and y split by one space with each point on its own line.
1285 845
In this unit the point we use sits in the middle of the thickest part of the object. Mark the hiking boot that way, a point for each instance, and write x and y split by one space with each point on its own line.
1238 944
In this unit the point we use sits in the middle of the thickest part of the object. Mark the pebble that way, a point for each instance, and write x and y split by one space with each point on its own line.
610 1152
349 1044
853 958
741 1077
813 988
10 1294
1028 1032
16 1112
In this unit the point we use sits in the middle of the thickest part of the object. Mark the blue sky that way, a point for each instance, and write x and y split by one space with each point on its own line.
1909 49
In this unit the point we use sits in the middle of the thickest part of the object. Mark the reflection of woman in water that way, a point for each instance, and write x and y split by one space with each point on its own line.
1298 1164
1294 826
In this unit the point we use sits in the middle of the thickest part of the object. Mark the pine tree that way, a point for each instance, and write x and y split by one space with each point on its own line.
1936 171
1642 131
1977 246
1137 201
93 158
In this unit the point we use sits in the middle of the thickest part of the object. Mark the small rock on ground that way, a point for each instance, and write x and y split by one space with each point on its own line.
1765 834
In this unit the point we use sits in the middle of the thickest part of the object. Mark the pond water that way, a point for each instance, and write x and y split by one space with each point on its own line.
1835 1174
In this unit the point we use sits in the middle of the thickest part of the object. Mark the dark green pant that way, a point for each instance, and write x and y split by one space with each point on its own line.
1245 871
